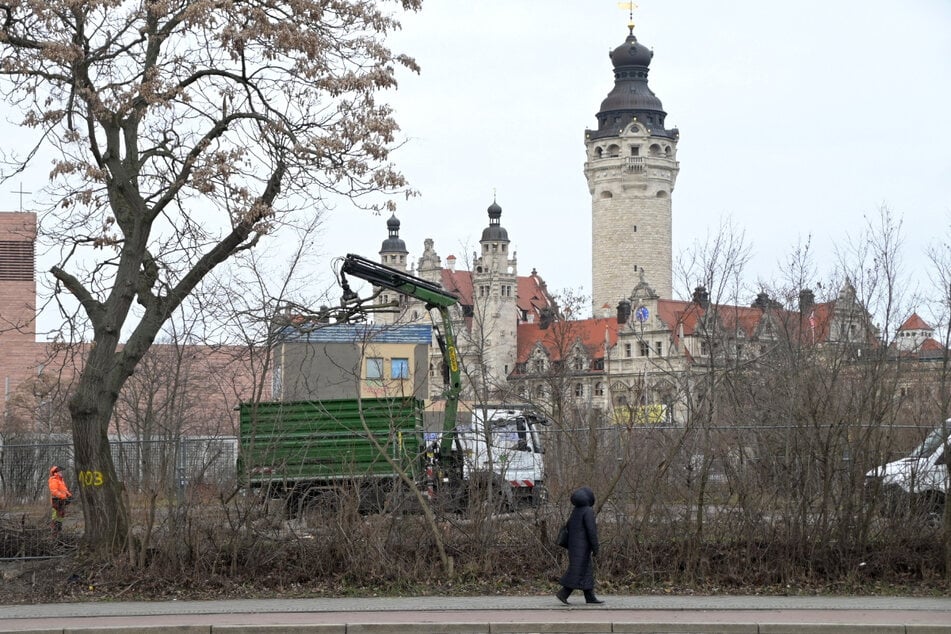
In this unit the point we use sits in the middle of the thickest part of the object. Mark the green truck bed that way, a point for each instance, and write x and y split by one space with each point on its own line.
324 441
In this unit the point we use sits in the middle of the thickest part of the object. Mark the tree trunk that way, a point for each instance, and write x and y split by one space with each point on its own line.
104 509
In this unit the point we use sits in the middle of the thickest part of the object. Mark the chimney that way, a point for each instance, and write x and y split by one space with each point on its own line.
623 311
451 262
701 297
762 301
807 299
544 318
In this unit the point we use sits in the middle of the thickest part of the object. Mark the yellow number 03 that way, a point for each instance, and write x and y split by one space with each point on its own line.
90 478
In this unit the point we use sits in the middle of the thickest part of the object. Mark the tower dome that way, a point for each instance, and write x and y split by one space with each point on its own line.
393 243
631 98
494 232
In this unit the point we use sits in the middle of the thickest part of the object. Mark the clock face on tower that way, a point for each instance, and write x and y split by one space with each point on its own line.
641 314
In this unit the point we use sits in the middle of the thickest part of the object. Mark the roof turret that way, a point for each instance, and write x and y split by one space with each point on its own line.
393 243
494 232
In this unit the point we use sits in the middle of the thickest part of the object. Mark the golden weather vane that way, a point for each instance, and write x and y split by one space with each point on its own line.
629 6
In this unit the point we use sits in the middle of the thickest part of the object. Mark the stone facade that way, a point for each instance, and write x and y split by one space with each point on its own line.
630 178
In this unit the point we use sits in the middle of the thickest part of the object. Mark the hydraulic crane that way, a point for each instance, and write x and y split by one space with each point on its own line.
435 298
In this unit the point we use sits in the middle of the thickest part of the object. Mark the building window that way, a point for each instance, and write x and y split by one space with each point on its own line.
704 349
599 389
578 364
627 350
399 368
375 368
660 348
579 390
645 349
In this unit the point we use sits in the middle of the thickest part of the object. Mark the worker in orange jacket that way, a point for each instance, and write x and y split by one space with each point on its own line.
59 498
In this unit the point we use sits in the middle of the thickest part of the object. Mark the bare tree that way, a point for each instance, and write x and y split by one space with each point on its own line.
184 132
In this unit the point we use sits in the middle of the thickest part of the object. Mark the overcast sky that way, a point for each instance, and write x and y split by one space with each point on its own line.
796 119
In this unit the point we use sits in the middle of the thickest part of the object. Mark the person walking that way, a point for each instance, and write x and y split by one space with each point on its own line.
59 498
582 545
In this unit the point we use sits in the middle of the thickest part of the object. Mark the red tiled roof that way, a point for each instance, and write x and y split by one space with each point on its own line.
561 336
928 349
914 323
812 327
459 282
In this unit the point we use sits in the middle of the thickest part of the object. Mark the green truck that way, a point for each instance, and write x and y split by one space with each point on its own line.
305 449
302 450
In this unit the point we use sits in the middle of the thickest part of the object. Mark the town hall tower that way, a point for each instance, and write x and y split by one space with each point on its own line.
631 167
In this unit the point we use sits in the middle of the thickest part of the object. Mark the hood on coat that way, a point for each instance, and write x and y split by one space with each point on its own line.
54 469
583 497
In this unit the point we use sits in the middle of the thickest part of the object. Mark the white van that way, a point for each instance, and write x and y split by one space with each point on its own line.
919 481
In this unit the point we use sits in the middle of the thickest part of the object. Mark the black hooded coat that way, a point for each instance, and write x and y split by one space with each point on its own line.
582 542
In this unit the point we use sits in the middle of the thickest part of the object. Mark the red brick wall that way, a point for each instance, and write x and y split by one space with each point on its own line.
19 352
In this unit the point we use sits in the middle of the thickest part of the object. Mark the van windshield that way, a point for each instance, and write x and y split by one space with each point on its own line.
933 441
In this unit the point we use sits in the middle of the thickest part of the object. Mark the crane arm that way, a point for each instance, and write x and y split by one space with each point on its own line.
434 297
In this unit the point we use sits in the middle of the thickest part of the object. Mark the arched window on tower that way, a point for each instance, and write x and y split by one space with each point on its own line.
606 194
614 151
661 193
598 152
655 150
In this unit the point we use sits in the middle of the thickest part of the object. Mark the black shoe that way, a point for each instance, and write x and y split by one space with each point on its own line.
563 595
590 598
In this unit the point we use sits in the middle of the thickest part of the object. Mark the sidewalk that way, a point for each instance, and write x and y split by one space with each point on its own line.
487 615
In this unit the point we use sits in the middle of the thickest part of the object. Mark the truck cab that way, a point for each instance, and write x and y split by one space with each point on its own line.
508 442
918 481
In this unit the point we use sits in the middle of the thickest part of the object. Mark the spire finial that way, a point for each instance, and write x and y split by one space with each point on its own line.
630 6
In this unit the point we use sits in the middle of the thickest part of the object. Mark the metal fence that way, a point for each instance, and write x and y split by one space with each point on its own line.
141 464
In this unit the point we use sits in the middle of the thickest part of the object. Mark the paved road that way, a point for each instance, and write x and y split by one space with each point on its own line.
487 615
